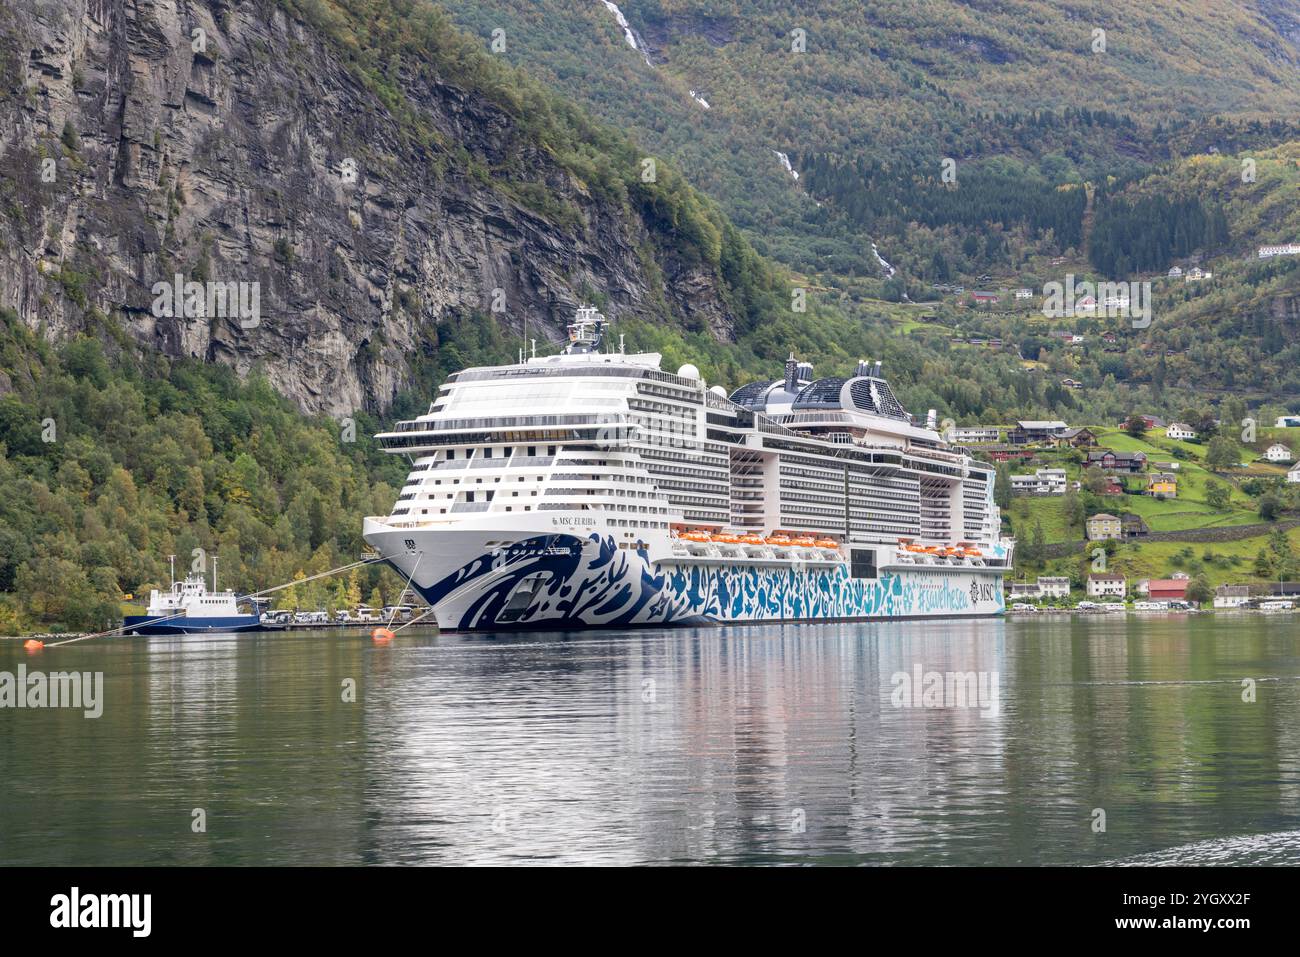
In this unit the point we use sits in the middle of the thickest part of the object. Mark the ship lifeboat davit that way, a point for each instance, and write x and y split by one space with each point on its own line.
382 636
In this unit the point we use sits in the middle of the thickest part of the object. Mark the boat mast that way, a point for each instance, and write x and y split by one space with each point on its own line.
171 563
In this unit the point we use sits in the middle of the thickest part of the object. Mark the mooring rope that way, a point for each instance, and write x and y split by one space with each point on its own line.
389 626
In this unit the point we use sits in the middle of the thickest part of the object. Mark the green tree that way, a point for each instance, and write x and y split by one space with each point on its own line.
1221 454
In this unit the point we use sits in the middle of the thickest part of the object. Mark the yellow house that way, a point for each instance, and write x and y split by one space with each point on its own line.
1163 484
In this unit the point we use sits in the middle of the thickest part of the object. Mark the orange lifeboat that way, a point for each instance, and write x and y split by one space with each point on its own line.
751 538
726 538
805 541
695 535
973 553
827 543
778 539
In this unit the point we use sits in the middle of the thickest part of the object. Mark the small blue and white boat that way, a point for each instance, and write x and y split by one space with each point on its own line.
189 608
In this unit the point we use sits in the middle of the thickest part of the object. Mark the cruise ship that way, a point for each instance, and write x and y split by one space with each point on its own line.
593 489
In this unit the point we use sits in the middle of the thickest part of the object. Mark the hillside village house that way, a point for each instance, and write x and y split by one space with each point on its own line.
1150 421
1106 586
1288 249
1024 590
1079 438
1175 272
1167 589
1178 430
1047 586
1102 526
1035 432
1277 452
1162 485
1054 586
1113 461
1006 453
1287 422
1023 293
974 434
1231 596
1041 482
1196 274
1294 474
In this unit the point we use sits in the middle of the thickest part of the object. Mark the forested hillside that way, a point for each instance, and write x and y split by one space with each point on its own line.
891 90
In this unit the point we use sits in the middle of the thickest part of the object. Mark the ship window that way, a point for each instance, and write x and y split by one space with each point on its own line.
864 563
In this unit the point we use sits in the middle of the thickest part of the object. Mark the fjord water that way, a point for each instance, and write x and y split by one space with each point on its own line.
765 744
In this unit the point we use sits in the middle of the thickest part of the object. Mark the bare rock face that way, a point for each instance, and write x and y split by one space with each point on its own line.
227 144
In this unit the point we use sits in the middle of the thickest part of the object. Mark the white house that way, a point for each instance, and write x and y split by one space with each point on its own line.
1288 249
1294 474
1054 586
1106 586
1196 274
1277 452
1041 482
972 434
1287 422
1179 430
1231 596
1024 293
1175 272
1025 590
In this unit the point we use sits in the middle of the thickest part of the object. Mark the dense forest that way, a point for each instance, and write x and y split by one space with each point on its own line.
112 460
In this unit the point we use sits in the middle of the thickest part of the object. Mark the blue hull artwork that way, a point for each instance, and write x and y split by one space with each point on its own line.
162 625
552 581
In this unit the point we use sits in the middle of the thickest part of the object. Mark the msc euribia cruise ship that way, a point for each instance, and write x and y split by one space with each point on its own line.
590 488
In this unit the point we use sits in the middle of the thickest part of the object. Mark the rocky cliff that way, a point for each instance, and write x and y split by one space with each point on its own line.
237 146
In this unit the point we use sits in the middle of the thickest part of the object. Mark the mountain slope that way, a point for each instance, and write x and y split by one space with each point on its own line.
371 171
905 83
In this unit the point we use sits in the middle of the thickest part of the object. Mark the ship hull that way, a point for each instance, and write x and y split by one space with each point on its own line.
163 625
565 581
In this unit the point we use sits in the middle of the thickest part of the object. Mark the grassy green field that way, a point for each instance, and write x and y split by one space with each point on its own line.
1188 511
1219 563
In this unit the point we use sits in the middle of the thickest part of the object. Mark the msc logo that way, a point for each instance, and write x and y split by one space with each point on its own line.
982 590
410 545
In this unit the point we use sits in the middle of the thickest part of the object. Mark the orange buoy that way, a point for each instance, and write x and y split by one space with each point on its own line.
31 644
381 636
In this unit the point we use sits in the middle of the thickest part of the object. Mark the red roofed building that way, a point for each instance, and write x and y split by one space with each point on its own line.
1168 589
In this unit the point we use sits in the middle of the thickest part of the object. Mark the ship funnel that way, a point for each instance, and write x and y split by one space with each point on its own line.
876 371
931 419
864 367
791 374
804 373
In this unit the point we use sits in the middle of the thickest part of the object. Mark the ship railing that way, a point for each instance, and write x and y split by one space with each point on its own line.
471 506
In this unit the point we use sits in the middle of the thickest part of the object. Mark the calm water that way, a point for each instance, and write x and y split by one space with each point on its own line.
764 745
